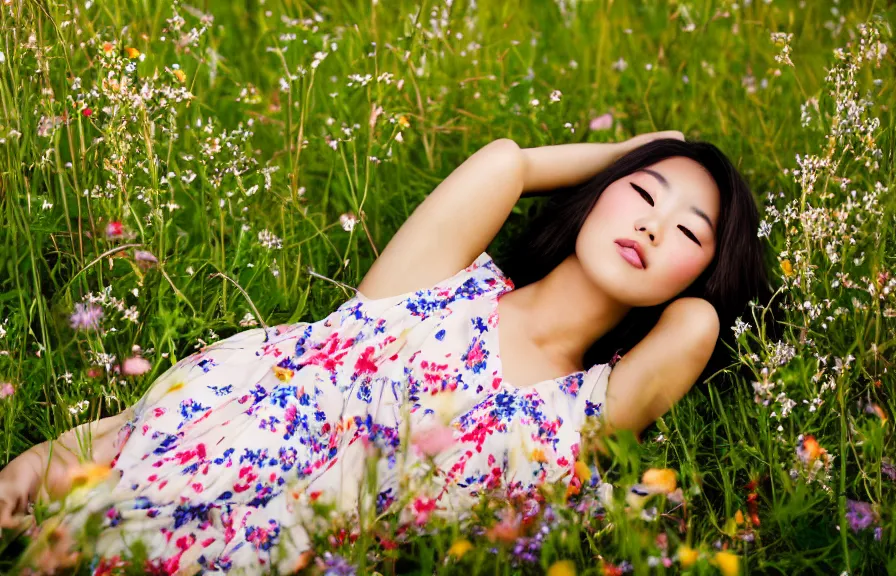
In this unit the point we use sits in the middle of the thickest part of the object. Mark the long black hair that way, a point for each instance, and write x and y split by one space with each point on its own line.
736 275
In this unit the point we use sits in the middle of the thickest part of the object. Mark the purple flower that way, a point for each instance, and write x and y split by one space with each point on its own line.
145 259
335 565
860 515
888 470
86 316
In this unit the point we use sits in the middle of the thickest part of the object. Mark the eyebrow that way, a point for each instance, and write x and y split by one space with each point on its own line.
662 180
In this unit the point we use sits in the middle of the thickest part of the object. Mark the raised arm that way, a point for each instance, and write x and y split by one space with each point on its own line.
461 217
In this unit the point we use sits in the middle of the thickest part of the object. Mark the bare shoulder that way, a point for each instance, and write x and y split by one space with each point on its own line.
453 225
694 316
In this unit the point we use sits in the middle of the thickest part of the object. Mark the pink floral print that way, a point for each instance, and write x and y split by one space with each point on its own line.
229 447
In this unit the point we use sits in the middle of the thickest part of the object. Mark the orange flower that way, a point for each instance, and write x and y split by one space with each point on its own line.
810 450
132 52
403 121
179 74
583 473
659 480
108 47
460 547
562 568
89 474
739 517
787 267
687 556
728 563
537 455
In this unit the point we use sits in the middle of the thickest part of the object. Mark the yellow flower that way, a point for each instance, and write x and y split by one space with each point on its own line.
659 480
179 74
89 474
460 547
537 455
132 52
283 374
728 563
403 121
787 267
583 473
687 556
562 568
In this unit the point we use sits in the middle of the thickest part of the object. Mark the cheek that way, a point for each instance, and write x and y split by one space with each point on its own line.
612 205
687 268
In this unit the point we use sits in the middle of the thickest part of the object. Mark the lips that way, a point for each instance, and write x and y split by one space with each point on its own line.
631 251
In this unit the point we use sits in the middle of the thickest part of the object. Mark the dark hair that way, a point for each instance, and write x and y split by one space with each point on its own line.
736 274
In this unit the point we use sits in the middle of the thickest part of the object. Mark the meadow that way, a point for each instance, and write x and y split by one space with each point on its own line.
174 173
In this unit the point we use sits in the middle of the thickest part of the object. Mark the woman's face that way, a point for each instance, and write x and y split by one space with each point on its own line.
651 233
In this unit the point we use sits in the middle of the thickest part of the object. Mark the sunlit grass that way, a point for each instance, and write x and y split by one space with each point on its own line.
173 174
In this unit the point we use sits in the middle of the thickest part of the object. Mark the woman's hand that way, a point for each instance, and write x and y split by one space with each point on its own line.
19 483
641 139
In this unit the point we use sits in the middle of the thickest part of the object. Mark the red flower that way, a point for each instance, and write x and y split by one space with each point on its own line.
87 112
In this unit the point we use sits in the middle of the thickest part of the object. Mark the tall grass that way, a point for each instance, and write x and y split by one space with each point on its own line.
171 174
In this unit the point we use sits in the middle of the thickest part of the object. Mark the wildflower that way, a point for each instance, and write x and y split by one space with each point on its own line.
433 440
86 316
89 475
107 48
403 121
507 530
602 122
459 548
659 480
727 563
787 268
809 450
269 240
348 221
562 568
132 52
335 565
179 74
556 95
6 390
145 259
423 509
687 556
87 112
583 473
860 515
135 366
114 229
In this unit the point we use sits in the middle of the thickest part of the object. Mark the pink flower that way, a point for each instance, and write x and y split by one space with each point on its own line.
135 366
86 316
6 390
145 259
423 508
433 440
602 122
114 229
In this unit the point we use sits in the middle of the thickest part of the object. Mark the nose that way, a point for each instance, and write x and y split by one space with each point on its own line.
650 228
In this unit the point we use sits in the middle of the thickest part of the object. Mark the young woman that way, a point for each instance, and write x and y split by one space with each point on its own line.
647 247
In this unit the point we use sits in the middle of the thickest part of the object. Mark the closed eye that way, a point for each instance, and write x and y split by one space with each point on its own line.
643 193
689 234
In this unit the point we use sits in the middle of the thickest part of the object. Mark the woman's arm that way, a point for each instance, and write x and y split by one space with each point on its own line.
44 471
561 165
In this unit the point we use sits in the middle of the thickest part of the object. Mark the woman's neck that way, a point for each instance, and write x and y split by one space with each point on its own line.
564 313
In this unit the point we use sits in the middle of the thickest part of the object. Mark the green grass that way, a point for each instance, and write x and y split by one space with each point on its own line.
198 205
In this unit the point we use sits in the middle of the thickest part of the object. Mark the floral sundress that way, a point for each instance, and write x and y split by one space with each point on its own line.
229 447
